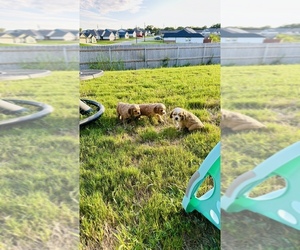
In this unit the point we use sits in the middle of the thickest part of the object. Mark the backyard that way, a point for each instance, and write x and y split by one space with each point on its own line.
39 167
270 94
133 177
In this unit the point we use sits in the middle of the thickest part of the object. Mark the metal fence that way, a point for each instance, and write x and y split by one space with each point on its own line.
260 53
64 57
148 56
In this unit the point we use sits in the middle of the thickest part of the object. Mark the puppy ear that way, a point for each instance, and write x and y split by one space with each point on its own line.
156 109
171 115
130 111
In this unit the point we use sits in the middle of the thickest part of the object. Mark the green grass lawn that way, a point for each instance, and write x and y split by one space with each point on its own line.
133 177
269 94
39 167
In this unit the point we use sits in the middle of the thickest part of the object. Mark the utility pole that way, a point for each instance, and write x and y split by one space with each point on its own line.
144 33
136 34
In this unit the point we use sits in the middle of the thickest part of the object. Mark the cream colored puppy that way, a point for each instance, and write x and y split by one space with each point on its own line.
153 110
185 119
236 121
127 112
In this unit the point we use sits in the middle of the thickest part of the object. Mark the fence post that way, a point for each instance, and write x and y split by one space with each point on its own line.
177 56
110 56
204 52
66 56
145 51
265 53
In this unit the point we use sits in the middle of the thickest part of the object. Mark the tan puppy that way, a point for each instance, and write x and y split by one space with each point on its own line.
127 112
153 110
185 119
236 121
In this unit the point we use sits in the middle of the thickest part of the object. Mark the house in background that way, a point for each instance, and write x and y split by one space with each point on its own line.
123 34
116 33
131 33
187 35
108 35
62 35
235 35
138 32
99 33
6 38
83 38
23 36
87 37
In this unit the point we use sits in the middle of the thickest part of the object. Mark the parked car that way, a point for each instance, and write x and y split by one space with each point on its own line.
157 38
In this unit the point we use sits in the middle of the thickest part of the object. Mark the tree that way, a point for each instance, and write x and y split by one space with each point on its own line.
295 25
216 26
169 28
214 38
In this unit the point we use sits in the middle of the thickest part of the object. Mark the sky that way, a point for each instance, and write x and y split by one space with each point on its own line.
36 14
117 14
259 13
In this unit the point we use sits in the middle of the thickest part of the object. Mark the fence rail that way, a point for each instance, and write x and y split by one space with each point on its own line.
146 56
257 54
149 56
40 57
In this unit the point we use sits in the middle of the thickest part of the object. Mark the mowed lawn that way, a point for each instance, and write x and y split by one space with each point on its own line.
133 177
269 94
39 167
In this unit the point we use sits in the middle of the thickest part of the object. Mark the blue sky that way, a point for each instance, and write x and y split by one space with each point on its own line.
115 14
31 14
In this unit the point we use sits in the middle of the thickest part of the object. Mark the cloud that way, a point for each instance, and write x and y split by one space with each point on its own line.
42 6
105 7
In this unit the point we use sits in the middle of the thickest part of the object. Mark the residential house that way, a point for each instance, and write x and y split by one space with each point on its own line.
116 33
23 36
235 35
92 35
139 32
187 35
99 33
86 37
45 34
123 34
131 33
83 38
6 38
108 35
74 32
58 34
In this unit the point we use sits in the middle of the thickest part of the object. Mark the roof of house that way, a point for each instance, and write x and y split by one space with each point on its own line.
107 33
90 32
235 32
44 32
186 32
131 31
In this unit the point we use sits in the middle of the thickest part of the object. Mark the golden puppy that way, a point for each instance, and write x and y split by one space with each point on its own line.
237 121
185 119
153 110
127 112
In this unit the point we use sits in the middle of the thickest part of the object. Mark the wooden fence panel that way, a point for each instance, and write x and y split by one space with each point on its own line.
152 56
39 57
258 54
